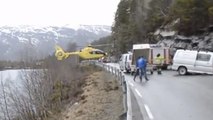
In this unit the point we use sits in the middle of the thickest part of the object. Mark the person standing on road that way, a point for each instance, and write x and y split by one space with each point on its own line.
142 68
159 61
137 69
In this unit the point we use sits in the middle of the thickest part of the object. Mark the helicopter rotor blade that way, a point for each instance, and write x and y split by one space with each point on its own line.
103 45
94 45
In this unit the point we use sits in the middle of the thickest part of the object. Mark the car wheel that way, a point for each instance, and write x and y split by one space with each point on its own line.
182 70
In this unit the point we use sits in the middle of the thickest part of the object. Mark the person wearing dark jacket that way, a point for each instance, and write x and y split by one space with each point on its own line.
137 69
144 69
141 65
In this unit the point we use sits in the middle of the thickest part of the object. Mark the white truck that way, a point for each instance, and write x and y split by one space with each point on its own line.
150 51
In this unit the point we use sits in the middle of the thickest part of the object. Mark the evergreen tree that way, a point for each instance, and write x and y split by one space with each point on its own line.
193 14
120 28
158 13
135 21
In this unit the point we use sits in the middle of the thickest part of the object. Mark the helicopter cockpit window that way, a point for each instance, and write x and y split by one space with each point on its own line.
92 52
99 52
96 52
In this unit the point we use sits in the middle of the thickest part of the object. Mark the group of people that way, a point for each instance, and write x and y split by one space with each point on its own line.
141 65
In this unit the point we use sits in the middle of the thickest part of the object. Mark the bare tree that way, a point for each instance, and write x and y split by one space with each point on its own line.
4 104
41 91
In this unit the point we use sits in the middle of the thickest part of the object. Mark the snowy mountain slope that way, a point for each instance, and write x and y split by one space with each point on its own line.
16 41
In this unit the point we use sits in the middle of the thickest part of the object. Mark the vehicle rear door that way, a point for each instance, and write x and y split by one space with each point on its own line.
204 63
186 59
128 61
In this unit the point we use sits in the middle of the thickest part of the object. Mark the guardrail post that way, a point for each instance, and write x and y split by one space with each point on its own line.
124 83
124 86
113 70
118 74
120 77
108 68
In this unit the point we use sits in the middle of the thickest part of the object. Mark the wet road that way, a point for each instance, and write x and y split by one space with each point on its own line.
173 97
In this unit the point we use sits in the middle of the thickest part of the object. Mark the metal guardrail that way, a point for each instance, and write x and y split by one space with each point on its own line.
120 77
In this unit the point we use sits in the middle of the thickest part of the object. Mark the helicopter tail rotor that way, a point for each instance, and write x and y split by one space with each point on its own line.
60 54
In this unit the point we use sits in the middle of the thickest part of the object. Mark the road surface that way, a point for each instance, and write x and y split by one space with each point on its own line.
173 97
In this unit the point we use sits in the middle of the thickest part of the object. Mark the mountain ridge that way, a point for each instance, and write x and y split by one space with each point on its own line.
15 41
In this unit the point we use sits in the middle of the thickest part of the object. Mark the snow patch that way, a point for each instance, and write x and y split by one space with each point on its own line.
5 41
75 27
23 40
34 41
5 31
95 28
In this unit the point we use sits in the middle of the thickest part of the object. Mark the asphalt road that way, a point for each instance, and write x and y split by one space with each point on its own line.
173 97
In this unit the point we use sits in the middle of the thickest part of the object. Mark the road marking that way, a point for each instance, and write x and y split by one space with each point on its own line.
138 93
131 84
148 112
129 104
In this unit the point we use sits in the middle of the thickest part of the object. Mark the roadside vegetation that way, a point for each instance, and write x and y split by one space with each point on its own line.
43 92
101 99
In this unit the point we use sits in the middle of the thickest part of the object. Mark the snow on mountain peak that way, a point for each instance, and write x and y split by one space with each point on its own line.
91 28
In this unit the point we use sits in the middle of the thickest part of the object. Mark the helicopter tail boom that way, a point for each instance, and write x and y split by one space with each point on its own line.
61 54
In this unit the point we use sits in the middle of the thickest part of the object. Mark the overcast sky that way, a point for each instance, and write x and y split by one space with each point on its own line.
57 12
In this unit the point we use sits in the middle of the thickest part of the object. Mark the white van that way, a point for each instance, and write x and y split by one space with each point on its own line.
193 61
125 61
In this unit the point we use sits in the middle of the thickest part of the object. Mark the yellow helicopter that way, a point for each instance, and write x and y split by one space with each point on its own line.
86 53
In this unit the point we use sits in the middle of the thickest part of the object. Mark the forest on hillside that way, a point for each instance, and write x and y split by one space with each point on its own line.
137 20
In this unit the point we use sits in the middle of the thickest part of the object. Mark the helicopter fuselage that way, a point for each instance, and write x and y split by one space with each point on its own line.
91 53
86 53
